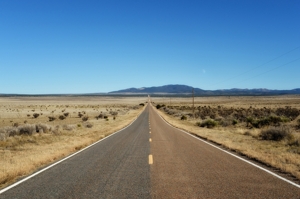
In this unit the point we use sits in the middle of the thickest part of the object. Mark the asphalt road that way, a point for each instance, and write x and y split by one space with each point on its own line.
150 159
116 167
184 167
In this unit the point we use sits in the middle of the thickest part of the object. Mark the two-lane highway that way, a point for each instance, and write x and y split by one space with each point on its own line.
151 159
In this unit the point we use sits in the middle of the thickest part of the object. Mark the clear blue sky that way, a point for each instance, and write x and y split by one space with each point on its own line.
60 46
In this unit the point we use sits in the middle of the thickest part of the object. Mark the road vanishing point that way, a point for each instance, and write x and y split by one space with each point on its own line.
151 159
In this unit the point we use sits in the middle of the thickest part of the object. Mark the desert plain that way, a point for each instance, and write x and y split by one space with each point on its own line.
37 131
265 129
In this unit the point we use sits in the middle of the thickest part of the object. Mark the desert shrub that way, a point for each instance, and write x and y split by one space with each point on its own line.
158 106
80 114
289 112
105 117
51 118
27 129
36 115
208 123
56 130
224 122
298 124
247 133
66 114
292 141
85 118
142 104
234 122
62 117
78 125
3 136
88 125
114 113
183 117
68 127
43 128
275 134
15 124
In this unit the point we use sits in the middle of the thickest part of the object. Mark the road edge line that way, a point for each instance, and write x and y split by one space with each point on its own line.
73 154
247 161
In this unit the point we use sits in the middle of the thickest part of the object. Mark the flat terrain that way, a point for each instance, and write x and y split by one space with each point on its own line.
251 126
180 166
28 142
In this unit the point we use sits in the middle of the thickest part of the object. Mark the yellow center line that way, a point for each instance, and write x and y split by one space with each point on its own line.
150 132
150 159
150 140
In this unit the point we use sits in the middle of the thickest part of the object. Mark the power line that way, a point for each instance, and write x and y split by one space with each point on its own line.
269 70
259 66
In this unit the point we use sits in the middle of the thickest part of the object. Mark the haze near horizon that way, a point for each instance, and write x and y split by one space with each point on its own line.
54 47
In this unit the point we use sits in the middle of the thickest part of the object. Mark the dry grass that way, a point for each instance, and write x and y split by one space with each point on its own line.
22 154
283 154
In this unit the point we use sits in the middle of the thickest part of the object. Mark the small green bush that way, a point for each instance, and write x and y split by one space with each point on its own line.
183 117
234 122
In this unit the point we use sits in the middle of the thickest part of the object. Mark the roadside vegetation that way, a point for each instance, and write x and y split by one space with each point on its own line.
266 129
30 141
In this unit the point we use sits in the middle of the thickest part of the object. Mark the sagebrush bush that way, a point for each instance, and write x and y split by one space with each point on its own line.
208 123
158 106
3 136
36 115
51 118
275 134
85 118
62 117
234 122
80 114
68 127
88 125
298 124
183 117
27 129
43 128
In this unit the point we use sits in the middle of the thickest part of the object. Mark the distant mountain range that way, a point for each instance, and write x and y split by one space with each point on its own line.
178 90
185 90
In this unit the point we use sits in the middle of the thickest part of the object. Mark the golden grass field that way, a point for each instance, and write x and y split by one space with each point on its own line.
22 153
242 138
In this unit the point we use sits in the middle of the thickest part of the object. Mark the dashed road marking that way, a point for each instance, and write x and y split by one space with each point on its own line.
150 140
150 159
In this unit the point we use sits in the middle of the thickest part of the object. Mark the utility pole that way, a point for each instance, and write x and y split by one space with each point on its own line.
193 103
